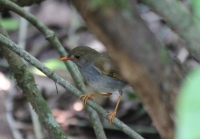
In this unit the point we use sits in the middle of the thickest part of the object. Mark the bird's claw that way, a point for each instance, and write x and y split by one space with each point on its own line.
85 98
112 116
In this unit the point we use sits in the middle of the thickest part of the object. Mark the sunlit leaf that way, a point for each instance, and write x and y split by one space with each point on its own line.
188 108
53 64
10 24
195 6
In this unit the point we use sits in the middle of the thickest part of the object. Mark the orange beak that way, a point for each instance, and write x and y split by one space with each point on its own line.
65 58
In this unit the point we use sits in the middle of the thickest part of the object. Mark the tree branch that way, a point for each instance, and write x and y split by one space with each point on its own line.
22 3
51 37
25 81
12 46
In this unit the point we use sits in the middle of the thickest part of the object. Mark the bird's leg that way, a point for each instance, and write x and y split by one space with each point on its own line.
112 114
89 96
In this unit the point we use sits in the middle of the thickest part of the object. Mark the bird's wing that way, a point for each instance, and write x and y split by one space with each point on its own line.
105 65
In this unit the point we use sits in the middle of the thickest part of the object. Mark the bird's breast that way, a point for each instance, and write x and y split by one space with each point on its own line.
90 74
101 82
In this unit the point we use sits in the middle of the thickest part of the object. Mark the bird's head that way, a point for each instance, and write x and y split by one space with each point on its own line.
81 55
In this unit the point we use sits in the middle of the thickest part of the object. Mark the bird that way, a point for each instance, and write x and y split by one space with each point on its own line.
100 71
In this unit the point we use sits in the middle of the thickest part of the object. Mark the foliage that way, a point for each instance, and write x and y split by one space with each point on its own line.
195 4
52 64
188 108
10 24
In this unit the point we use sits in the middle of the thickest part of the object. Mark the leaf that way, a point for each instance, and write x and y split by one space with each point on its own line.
195 5
53 64
10 24
188 108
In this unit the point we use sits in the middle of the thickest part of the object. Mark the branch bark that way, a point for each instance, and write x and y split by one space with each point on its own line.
22 3
25 81
51 37
142 59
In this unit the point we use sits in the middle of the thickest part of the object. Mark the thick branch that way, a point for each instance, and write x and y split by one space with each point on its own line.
12 46
25 81
51 37
181 21
22 3
142 59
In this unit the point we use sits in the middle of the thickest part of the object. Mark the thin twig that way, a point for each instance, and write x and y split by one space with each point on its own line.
9 116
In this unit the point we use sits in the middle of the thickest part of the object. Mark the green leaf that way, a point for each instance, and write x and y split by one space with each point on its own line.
10 24
53 64
195 6
188 108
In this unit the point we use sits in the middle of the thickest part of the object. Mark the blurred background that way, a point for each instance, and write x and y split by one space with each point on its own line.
60 16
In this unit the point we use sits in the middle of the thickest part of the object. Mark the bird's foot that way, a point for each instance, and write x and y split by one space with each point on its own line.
112 116
85 98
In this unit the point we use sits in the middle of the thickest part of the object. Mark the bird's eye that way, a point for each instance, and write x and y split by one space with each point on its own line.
77 56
